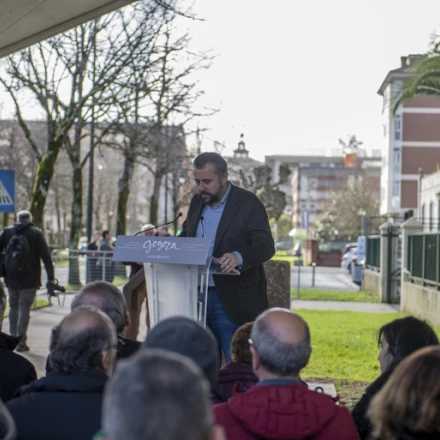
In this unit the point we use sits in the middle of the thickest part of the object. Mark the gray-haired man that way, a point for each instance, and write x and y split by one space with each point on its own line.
158 395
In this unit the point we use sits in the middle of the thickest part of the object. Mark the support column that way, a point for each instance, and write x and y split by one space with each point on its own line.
410 227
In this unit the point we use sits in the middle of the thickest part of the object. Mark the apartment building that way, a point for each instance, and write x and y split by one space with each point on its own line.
314 178
411 141
430 201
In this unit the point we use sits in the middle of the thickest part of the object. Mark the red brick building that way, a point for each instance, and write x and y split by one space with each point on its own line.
411 141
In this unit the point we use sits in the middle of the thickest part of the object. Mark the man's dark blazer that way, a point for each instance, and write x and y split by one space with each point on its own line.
244 227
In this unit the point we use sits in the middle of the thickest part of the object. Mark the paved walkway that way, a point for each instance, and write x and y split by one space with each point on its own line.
346 305
325 278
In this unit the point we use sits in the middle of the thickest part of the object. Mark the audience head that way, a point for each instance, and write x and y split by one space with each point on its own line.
162 231
96 236
188 338
280 344
408 406
106 235
24 216
84 340
148 230
157 395
240 352
401 337
107 298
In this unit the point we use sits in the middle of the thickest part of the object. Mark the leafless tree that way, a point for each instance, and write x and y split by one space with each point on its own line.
56 74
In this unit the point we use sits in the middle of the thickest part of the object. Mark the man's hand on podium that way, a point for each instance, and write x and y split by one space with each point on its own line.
228 262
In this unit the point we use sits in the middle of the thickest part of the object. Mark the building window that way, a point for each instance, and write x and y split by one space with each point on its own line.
438 213
397 128
431 216
396 195
397 161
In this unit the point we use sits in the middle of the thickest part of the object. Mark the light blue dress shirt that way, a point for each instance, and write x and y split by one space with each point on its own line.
211 219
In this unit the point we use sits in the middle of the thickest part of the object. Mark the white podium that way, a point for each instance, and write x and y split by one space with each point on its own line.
176 273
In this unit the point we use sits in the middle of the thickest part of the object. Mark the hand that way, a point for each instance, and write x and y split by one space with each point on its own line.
228 262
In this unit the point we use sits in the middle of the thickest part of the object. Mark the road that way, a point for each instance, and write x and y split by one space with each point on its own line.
326 278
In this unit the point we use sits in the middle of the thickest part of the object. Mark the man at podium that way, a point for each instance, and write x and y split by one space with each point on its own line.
241 241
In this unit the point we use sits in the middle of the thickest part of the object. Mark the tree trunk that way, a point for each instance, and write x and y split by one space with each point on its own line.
45 170
154 200
124 193
75 226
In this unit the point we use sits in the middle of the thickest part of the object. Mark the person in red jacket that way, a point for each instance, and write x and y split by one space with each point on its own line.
280 406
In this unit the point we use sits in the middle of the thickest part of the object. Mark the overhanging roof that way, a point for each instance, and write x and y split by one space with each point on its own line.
25 22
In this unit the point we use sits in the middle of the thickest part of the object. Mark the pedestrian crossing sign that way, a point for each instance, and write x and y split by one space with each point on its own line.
7 190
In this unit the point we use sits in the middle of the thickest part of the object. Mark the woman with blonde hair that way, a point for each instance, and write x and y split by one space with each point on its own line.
408 406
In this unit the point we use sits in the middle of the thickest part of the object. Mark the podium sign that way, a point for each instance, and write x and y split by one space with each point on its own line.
176 273
163 250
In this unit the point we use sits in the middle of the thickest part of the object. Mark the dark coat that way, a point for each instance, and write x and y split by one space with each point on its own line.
15 370
60 406
233 378
32 278
288 412
359 412
244 227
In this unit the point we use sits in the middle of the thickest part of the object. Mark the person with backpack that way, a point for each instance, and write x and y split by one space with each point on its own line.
23 246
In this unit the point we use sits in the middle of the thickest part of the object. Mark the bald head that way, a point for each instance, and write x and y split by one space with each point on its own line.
286 326
78 342
281 340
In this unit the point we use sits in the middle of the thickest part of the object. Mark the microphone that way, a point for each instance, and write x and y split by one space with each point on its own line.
158 226
201 224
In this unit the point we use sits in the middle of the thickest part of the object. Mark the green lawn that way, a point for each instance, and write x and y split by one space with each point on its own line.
284 256
345 343
40 304
330 295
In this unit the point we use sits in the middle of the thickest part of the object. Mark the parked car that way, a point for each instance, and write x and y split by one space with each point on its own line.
284 245
348 246
347 258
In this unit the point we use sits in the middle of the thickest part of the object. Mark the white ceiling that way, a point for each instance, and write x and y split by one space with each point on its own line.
25 22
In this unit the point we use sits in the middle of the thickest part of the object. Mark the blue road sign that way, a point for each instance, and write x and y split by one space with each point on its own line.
7 190
305 219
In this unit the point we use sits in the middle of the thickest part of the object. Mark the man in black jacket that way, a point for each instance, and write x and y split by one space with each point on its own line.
15 370
67 403
22 287
241 241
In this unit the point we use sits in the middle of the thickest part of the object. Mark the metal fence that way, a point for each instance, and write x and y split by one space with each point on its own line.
423 261
76 268
373 253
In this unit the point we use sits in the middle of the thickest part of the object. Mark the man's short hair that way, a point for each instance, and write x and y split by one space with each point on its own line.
24 216
157 395
78 341
105 233
278 357
218 163
105 297
187 337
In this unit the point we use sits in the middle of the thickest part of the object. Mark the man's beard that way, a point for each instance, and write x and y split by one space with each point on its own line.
213 198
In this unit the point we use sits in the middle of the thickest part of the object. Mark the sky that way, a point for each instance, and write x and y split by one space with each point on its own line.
298 75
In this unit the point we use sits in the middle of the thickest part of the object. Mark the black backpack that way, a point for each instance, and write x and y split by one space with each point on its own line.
17 255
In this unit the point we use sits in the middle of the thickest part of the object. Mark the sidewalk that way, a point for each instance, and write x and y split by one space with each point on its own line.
349 306
39 331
